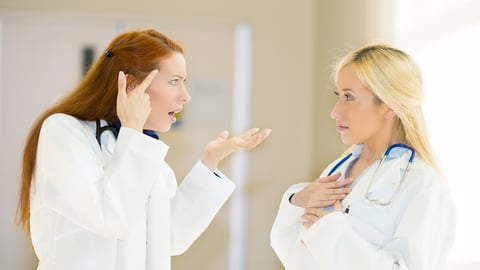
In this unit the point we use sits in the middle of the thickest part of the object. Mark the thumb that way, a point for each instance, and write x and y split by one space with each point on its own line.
223 135
330 178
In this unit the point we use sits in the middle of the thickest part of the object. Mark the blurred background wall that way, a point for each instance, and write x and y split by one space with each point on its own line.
293 46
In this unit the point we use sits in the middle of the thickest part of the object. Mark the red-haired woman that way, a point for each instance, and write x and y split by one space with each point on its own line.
96 190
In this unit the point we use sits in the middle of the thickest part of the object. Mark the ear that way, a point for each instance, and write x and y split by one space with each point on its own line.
131 82
389 113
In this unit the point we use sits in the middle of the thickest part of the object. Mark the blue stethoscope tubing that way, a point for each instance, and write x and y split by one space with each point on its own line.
384 157
339 164
387 152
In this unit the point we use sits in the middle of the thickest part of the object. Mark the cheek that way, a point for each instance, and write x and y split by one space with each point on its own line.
155 99
367 122
360 120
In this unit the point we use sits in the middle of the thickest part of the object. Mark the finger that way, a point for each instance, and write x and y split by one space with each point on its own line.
329 178
341 183
147 81
314 211
257 138
334 197
328 202
223 135
264 134
307 224
338 184
122 84
337 206
310 216
340 188
250 132
338 191
335 190
246 142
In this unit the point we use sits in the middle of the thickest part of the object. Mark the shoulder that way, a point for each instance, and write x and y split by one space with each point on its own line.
60 119
425 177
64 125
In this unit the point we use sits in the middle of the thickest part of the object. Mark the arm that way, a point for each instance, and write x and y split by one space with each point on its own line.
204 190
289 224
198 199
285 236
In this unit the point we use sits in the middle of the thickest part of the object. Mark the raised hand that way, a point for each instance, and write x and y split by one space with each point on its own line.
133 105
223 146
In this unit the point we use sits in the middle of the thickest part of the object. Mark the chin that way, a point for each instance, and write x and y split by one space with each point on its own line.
163 128
347 141
158 127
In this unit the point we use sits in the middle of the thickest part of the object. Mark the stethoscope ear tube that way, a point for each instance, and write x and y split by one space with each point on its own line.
100 130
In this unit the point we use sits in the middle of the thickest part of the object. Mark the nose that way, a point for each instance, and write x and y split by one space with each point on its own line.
335 112
185 96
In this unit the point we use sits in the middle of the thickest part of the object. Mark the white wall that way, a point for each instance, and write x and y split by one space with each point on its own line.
444 37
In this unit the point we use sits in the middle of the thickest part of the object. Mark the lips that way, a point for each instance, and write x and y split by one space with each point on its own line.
341 128
173 113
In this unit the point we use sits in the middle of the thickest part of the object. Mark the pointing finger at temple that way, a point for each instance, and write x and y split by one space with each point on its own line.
147 81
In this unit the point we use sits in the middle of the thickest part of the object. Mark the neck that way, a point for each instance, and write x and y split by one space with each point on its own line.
375 147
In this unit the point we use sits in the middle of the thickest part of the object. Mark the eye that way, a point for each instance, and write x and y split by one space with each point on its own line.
174 82
348 97
335 92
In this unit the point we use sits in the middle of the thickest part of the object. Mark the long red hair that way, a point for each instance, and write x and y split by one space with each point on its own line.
135 53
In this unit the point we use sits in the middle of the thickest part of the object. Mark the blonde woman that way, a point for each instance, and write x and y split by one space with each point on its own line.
397 213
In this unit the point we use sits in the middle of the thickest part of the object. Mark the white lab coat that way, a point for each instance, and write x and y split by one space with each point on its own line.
116 207
415 231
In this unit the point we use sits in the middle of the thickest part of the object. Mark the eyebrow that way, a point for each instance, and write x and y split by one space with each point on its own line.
179 76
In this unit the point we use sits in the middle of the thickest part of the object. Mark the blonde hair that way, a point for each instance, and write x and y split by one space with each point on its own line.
396 80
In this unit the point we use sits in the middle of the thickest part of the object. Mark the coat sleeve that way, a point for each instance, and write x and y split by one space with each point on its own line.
287 229
199 197
74 182
421 240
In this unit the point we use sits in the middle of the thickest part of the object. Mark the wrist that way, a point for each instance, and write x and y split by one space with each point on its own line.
212 166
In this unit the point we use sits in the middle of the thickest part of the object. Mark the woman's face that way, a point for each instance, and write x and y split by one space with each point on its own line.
167 93
358 118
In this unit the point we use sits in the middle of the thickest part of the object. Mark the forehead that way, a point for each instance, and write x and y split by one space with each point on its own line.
173 64
347 79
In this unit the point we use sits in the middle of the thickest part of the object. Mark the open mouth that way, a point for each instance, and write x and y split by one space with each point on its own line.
172 116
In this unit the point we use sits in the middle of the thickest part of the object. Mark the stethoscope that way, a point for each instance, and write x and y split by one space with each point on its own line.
382 202
114 128
109 127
